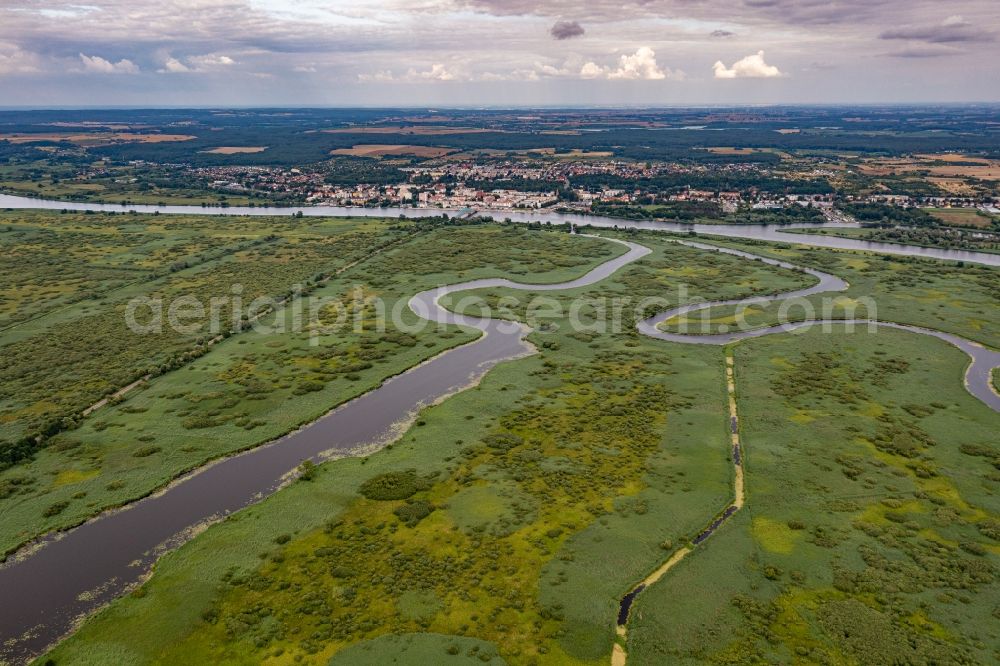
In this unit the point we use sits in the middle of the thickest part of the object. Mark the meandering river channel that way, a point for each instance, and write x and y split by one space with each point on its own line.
49 587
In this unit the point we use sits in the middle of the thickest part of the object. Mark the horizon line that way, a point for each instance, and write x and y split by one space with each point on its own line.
503 107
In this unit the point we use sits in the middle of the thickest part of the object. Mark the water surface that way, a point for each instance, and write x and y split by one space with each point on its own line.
770 232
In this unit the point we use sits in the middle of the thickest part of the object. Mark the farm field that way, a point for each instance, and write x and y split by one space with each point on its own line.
94 138
236 150
962 217
944 165
415 130
382 150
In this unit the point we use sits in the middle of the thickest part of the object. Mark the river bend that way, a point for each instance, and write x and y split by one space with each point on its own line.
74 573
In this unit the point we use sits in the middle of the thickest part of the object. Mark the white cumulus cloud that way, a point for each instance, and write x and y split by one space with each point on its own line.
210 61
592 70
381 76
437 72
99 65
196 63
14 60
173 66
641 65
753 66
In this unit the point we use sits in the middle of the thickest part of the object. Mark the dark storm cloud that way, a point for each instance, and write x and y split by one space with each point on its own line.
323 47
954 30
920 53
566 30
793 12
857 16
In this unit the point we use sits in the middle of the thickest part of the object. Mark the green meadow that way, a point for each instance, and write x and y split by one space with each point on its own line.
964 300
870 534
249 387
51 180
515 513
507 522
78 349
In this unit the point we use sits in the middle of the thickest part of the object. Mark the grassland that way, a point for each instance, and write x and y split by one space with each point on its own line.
508 521
419 648
962 217
118 185
870 533
961 300
236 150
48 261
505 476
55 365
252 386
525 507
377 150
94 138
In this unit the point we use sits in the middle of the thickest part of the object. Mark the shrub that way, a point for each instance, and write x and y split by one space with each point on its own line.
973 547
308 386
198 422
392 485
503 441
14 485
55 509
414 511
307 470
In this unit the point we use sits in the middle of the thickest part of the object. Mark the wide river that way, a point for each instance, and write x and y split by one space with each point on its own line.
767 232
52 585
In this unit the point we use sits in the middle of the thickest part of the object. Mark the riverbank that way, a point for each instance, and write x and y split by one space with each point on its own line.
871 234
774 233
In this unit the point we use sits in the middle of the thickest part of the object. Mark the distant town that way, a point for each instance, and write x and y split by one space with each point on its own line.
458 185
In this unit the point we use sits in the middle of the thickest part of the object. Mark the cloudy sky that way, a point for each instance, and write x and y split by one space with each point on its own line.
496 52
